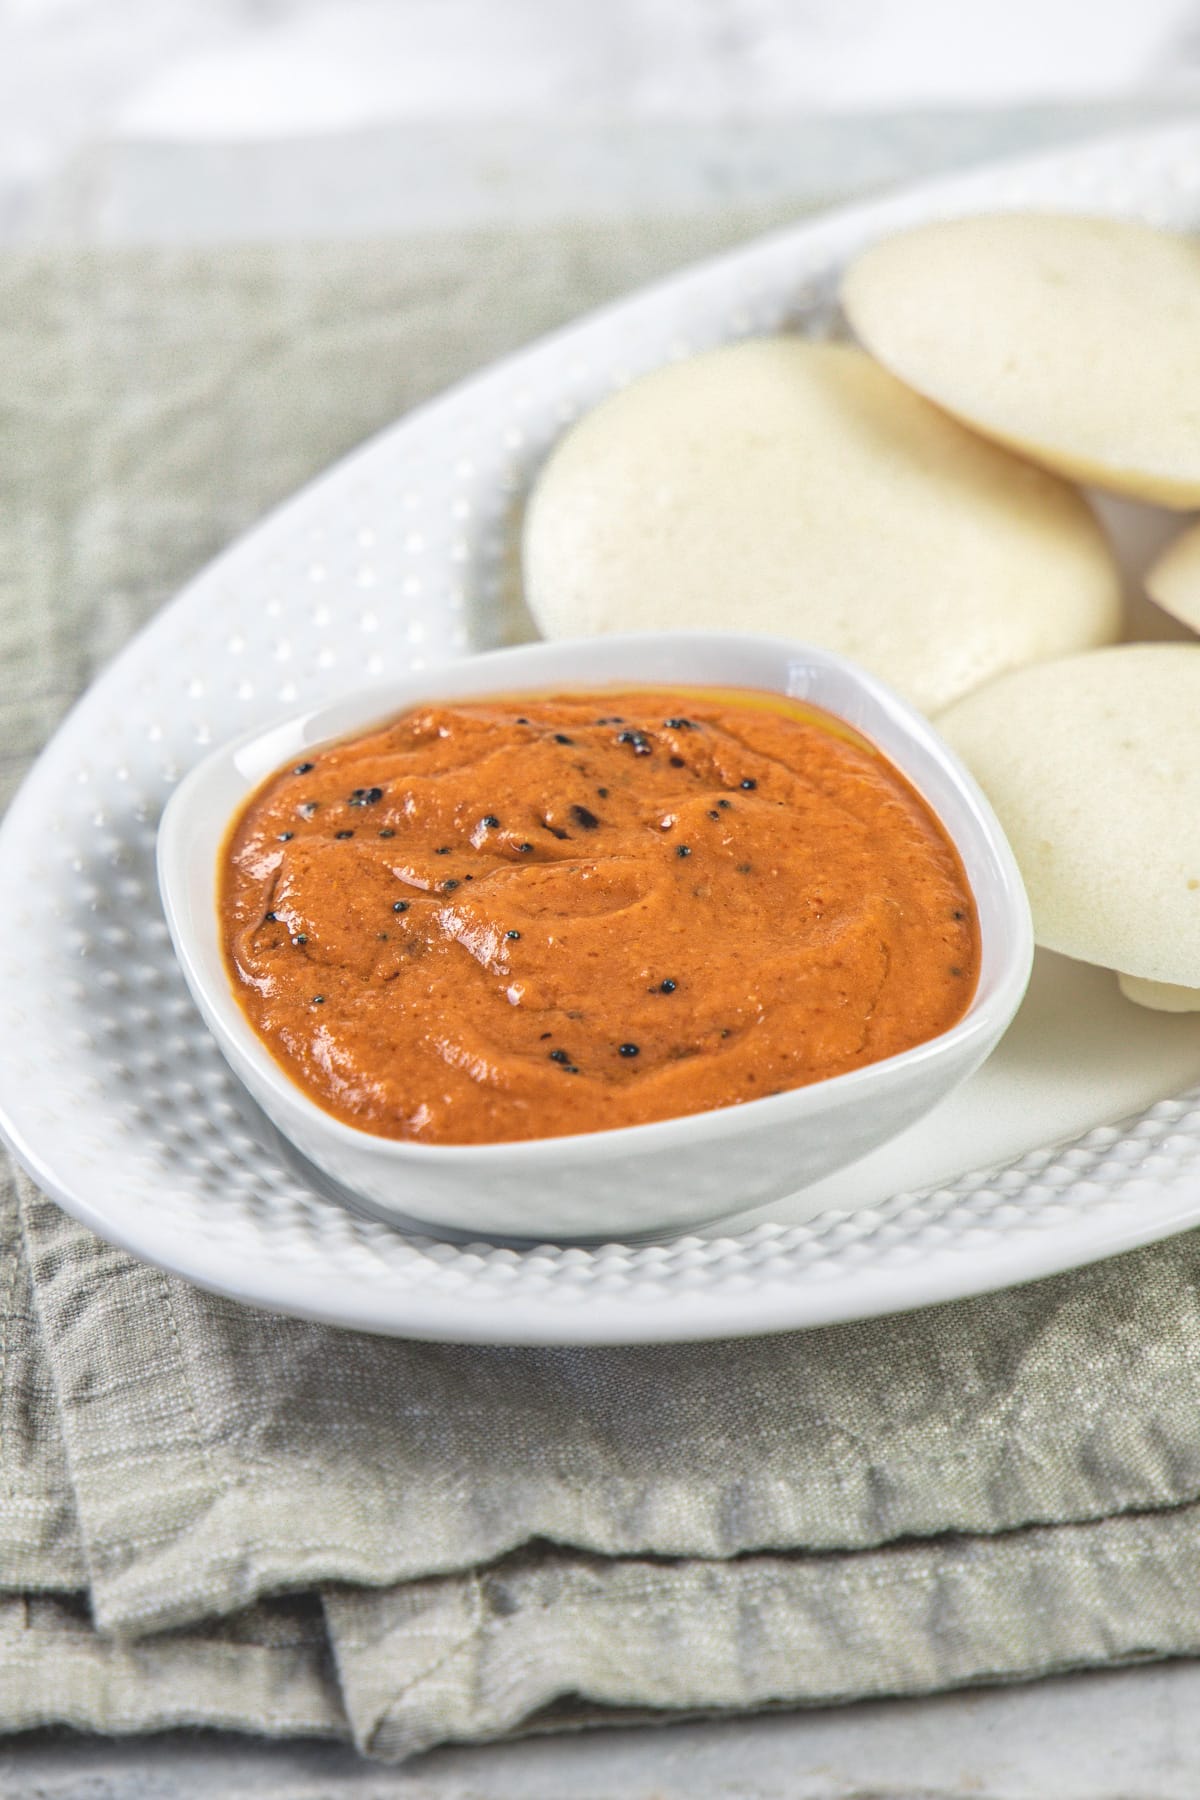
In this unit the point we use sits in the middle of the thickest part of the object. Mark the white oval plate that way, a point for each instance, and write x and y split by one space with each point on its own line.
115 1099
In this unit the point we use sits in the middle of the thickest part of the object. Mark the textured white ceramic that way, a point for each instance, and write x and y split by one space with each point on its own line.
112 1090
650 1178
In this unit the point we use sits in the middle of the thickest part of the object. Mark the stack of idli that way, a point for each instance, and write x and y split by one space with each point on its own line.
1077 342
911 504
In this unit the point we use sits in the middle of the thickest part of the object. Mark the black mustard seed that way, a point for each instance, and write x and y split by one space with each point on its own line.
749 782
343 834
627 1049
303 768
585 818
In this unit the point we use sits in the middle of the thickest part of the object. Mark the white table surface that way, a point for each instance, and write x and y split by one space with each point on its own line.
177 120
1119 1735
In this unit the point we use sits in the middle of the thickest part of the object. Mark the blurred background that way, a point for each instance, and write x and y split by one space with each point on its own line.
198 120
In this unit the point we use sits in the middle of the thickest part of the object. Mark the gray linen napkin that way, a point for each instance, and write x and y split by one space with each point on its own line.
215 1516
988 1491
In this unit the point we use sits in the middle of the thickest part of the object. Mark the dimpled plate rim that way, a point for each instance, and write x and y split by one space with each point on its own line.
116 1100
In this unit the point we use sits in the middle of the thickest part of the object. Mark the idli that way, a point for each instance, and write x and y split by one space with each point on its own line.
792 487
1074 340
1093 766
1160 996
1173 580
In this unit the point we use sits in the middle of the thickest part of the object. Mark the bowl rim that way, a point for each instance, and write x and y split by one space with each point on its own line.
270 745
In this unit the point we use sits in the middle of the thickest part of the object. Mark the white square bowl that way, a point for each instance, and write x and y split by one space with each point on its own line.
639 1179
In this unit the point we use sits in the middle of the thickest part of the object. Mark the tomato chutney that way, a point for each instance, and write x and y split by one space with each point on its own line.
523 916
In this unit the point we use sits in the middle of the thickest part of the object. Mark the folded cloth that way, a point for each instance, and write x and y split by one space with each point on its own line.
517 1539
210 1515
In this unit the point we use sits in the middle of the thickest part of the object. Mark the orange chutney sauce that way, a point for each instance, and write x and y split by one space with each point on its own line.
518 917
